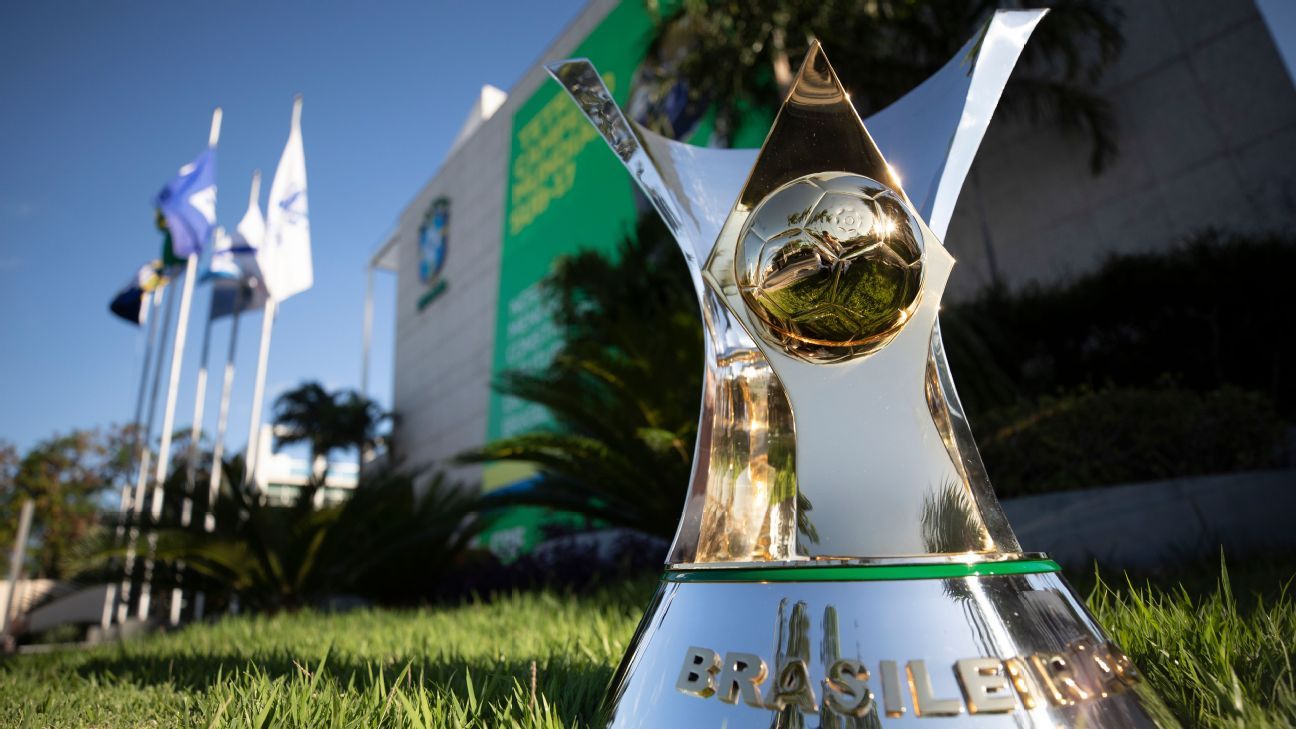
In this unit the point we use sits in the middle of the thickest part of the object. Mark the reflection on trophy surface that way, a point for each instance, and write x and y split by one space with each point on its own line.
842 560
831 265
749 510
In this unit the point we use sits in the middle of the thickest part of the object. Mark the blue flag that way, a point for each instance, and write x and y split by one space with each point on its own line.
188 205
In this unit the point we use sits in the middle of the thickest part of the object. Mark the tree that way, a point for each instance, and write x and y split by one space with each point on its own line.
623 390
66 477
10 502
9 461
326 422
359 420
741 54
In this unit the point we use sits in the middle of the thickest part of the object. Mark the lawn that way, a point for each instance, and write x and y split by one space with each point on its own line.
1219 651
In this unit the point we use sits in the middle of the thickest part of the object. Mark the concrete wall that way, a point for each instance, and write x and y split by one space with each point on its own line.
1157 524
441 388
1207 130
29 593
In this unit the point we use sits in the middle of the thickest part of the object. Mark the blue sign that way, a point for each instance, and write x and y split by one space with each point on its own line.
434 237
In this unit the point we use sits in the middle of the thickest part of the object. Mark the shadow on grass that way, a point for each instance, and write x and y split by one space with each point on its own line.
1254 577
575 687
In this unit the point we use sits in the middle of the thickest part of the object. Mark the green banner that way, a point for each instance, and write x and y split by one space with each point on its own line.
566 192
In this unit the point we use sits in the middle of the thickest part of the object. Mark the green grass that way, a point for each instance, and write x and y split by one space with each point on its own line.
1218 661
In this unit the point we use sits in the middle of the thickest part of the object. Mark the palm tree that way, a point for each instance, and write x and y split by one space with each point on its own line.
326 421
623 390
740 55
358 422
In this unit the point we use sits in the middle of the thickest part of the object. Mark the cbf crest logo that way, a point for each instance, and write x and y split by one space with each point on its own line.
433 240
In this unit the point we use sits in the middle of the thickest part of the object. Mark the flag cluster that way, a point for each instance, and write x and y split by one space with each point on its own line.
264 261
265 256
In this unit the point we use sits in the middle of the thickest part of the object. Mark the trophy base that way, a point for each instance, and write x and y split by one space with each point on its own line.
999 644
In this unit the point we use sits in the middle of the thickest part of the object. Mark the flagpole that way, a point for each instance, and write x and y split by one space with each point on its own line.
150 310
213 136
245 286
168 418
368 329
195 431
258 391
16 567
146 453
168 422
222 417
191 458
281 278
218 448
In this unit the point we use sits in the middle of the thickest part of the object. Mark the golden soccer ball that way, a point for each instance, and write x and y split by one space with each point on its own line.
832 266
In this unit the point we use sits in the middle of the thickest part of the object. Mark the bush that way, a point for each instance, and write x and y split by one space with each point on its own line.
569 560
1087 437
392 541
1211 313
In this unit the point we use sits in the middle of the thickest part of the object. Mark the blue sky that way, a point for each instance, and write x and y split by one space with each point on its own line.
101 102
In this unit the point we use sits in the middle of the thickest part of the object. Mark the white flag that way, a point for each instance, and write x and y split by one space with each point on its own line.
251 229
285 256
238 286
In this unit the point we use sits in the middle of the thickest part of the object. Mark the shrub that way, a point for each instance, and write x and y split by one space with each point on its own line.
1093 437
1210 313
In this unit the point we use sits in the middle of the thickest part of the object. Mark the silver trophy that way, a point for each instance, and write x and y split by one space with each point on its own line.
842 560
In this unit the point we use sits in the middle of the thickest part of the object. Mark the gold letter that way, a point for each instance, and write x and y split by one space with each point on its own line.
742 674
1021 681
1059 678
792 688
1115 669
698 675
891 699
924 703
985 686
845 690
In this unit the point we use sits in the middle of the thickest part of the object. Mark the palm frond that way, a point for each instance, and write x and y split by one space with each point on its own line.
623 390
